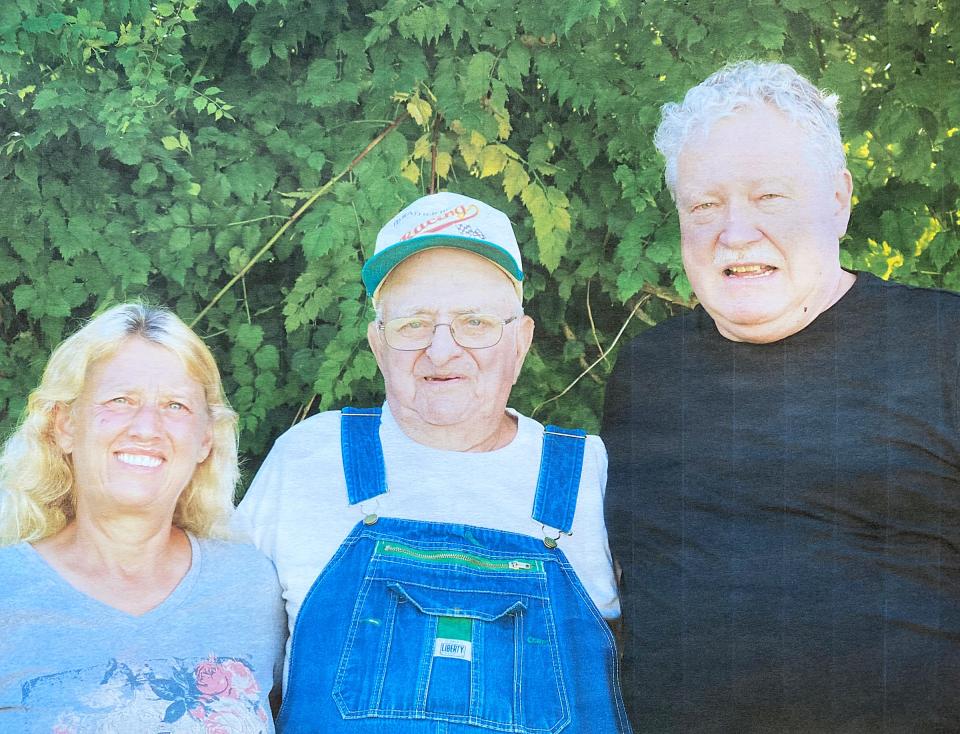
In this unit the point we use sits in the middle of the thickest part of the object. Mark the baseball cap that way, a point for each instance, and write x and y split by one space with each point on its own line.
445 220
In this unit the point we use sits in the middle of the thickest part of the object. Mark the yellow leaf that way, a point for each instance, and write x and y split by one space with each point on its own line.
556 197
194 189
503 126
492 161
26 90
514 179
444 162
470 152
411 172
421 149
561 217
170 142
477 139
420 110
534 199
551 246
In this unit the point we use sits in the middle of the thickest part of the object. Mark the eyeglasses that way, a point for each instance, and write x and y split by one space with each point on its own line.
469 330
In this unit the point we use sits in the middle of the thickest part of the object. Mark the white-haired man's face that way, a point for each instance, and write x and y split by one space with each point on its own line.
760 224
445 383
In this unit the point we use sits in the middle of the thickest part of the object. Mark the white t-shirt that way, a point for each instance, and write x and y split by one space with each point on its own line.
297 511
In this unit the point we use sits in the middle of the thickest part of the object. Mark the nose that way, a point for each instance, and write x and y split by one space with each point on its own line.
145 423
444 347
739 228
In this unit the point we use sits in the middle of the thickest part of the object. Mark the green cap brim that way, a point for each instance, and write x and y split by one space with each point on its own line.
379 266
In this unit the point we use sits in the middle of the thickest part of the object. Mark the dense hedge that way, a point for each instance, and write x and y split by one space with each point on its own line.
159 148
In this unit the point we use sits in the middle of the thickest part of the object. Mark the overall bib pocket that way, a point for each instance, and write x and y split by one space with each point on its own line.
445 635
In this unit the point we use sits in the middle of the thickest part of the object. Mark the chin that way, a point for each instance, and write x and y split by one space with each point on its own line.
744 314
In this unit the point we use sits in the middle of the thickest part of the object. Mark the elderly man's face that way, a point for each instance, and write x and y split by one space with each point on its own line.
760 223
446 384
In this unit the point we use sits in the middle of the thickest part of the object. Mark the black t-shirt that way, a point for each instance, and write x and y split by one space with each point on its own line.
787 517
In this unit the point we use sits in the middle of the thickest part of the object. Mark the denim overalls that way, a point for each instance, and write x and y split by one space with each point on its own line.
432 628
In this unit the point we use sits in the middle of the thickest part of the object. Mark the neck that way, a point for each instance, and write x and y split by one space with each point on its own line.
791 322
480 435
122 547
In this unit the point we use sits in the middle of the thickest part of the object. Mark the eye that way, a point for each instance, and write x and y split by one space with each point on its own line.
414 325
703 206
475 323
176 405
770 197
119 400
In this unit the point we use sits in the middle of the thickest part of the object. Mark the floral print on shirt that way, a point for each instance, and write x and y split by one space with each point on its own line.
214 695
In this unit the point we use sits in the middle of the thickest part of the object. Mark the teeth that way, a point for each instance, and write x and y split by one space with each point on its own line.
747 269
139 460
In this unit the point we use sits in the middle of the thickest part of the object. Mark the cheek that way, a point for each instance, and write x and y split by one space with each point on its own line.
399 372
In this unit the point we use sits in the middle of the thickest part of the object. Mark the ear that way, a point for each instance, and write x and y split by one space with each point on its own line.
63 427
206 446
524 340
377 345
843 192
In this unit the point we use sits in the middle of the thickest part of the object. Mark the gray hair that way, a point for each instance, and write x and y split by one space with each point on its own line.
745 84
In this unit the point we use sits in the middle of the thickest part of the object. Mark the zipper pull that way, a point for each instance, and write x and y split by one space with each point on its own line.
520 565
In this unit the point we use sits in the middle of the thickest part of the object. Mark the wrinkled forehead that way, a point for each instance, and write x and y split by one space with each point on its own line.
447 279
754 124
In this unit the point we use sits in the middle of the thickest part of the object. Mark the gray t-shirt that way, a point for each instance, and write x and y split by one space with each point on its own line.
203 660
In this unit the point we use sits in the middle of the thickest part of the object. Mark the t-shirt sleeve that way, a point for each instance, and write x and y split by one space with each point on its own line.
256 516
595 565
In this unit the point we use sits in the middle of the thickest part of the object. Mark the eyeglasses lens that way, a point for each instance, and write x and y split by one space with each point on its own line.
471 331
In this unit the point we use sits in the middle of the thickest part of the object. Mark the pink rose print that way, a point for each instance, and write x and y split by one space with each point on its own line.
241 679
213 679
198 712
214 725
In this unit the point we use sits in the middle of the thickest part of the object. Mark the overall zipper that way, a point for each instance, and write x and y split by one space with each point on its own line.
385 547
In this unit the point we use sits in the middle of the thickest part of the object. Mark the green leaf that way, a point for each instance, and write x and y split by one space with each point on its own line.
259 55
249 337
476 82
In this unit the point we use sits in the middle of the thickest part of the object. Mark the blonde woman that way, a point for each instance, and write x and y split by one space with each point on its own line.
120 609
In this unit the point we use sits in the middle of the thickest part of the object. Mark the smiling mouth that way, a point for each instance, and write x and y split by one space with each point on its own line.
450 378
748 271
140 460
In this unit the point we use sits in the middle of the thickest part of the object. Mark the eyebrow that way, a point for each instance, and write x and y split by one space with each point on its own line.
424 311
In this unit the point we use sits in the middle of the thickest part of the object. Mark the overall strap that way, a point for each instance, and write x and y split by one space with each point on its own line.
559 480
363 465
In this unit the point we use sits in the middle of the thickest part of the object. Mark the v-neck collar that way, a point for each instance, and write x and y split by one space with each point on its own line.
81 601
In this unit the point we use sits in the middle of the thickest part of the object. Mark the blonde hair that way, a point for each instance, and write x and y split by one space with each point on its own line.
37 492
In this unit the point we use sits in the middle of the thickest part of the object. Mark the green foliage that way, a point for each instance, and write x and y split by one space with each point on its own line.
153 149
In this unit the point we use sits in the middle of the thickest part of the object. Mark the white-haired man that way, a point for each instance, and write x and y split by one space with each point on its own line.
444 559
784 493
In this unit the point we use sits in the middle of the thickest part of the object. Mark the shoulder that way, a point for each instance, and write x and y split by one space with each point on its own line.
239 572
668 336
322 426
530 430
236 556
14 563
912 314
917 296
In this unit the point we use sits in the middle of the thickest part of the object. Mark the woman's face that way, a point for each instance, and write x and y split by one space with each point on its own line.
136 432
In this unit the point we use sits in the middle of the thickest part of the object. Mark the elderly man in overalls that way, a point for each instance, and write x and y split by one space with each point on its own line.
443 558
